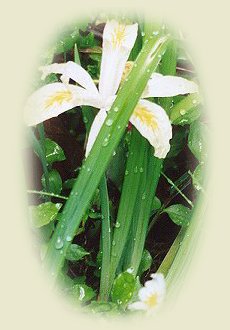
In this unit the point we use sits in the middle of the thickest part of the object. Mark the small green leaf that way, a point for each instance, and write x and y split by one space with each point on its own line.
54 153
44 213
55 182
123 288
82 292
146 262
94 215
68 184
75 252
156 204
197 140
87 41
198 177
100 307
186 111
179 214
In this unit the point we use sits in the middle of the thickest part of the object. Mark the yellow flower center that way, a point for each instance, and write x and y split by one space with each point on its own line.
145 116
151 301
59 98
118 36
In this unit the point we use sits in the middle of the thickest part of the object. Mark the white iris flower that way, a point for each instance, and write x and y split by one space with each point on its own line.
149 118
151 294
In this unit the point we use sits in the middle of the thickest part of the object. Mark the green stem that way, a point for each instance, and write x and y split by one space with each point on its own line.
106 240
177 189
44 193
101 152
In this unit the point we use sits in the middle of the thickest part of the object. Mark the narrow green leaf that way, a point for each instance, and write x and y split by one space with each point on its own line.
186 111
123 288
54 153
133 175
44 213
179 214
75 252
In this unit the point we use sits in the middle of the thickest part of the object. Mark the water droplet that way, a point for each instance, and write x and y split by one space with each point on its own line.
68 238
105 142
85 120
184 121
182 112
88 169
130 270
113 243
117 225
114 254
141 170
135 169
143 196
142 33
59 243
116 109
159 56
118 127
126 172
155 33
114 153
109 122
194 102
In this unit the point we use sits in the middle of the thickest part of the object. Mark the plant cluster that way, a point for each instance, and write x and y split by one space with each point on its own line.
115 124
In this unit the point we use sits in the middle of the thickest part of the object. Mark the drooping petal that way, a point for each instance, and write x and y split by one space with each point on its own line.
94 130
53 99
70 70
153 123
166 86
118 40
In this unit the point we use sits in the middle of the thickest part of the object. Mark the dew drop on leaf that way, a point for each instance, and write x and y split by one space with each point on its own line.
182 112
59 244
109 122
68 238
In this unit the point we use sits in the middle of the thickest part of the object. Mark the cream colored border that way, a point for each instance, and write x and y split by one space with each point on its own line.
27 302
